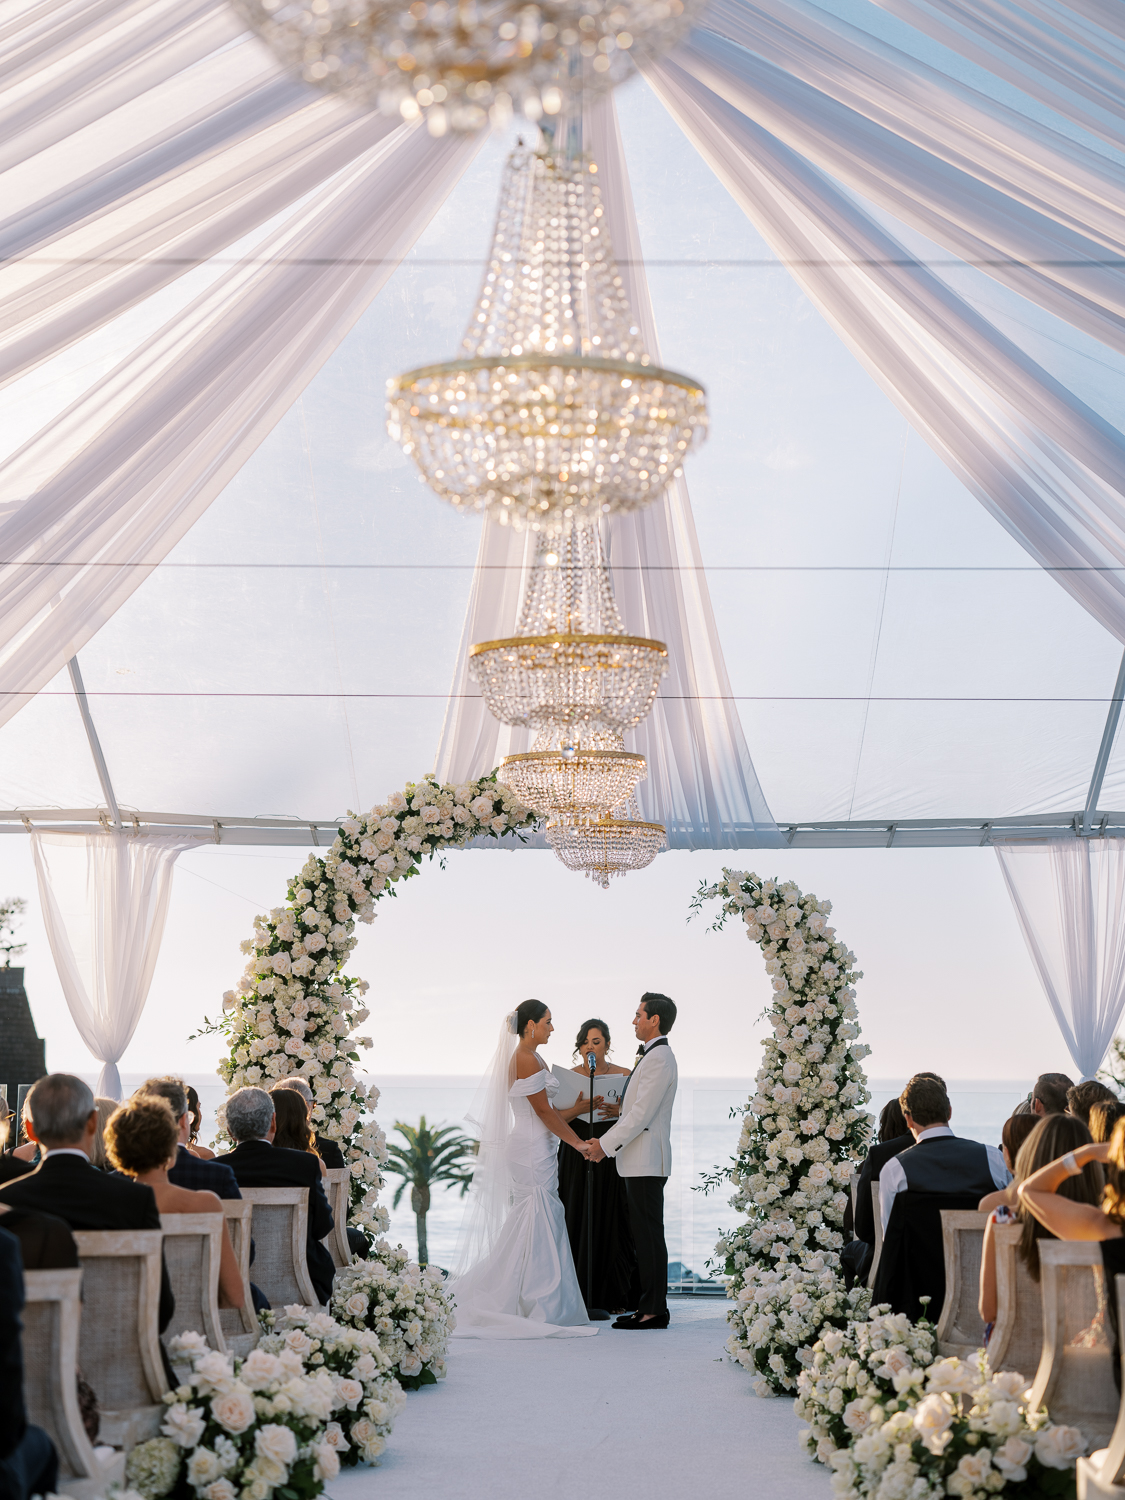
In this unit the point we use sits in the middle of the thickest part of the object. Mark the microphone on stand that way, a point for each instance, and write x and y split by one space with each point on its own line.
592 1061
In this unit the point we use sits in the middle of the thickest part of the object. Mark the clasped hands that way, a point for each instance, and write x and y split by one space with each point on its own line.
592 1151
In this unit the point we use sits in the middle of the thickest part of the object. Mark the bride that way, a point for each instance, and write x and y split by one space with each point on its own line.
515 1276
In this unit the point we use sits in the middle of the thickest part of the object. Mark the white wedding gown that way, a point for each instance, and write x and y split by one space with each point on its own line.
526 1287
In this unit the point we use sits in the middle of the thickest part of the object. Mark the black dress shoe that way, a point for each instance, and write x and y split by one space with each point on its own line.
635 1320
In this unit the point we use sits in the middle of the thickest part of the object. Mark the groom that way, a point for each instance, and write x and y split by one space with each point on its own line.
642 1142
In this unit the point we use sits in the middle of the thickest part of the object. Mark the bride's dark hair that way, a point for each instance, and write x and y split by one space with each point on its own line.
530 1010
584 1031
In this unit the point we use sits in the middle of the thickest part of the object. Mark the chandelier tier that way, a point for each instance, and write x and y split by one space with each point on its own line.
459 63
556 413
604 847
571 669
572 782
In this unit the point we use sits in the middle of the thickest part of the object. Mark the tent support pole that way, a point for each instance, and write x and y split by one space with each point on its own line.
1109 734
92 735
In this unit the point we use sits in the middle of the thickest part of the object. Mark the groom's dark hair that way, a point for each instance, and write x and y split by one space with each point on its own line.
662 1007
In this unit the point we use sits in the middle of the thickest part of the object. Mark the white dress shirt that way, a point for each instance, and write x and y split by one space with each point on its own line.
892 1179
65 1151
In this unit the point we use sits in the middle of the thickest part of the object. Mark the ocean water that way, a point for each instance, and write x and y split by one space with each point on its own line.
704 1136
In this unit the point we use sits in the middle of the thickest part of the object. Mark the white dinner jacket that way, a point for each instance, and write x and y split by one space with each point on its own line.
641 1139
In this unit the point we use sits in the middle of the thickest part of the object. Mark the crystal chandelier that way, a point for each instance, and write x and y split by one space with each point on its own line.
459 63
607 846
556 414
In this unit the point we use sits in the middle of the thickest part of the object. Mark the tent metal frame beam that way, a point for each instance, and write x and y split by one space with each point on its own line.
1109 734
871 833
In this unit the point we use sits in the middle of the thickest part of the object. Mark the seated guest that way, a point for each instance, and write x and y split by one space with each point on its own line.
329 1152
1104 1115
142 1140
1017 1128
189 1171
28 1462
105 1108
1048 1097
326 1148
258 1163
892 1137
1083 1096
10 1165
61 1118
293 1131
46 1243
1052 1135
938 1172
204 1153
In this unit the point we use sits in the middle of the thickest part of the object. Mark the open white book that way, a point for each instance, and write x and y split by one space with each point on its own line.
609 1085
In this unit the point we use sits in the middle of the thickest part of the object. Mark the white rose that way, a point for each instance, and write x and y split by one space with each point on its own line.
1059 1447
327 1460
222 1489
1011 1459
410 1364
950 1375
184 1425
896 1361
349 1393
933 1419
857 1416
259 1368
276 1442
203 1468
386 862
974 1467
234 1409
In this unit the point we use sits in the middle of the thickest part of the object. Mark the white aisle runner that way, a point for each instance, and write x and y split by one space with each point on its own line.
658 1416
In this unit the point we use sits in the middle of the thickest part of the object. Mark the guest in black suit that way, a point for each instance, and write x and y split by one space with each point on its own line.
61 1116
893 1139
258 1163
190 1171
28 1462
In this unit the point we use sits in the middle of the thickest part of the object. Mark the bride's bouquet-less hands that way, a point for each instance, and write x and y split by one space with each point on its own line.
804 1132
407 1307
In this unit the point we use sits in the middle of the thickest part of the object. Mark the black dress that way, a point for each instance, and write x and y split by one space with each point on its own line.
616 1284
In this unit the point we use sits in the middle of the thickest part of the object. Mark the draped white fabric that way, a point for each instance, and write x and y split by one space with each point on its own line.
1070 902
104 898
701 781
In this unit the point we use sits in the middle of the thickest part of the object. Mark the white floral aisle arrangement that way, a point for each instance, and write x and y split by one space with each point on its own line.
249 1429
956 1428
406 1307
804 1132
296 1012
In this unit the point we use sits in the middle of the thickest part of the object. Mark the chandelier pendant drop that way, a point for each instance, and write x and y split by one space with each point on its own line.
604 847
556 413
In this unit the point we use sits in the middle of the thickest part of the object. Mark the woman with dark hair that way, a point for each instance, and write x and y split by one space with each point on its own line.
514 1277
1049 1137
195 1110
293 1129
616 1285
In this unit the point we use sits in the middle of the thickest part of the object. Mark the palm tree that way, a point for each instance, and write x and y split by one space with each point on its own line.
428 1158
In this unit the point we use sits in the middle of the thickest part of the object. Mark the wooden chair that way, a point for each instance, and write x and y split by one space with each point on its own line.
878 1235
240 1324
1103 1473
281 1218
192 1251
119 1338
1017 1334
51 1318
338 1188
1075 1376
960 1330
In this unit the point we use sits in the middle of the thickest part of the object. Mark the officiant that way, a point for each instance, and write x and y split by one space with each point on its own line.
616 1286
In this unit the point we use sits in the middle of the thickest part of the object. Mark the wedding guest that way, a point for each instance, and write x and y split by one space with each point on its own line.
61 1117
1051 1136
616 1285
204 1153
893 1139
105 1108
292 1132
142 1141
1082 1096
10 1165
1017 1128
1104 1115
29 1464
256 1162
326 1148
1048 1097
189 1171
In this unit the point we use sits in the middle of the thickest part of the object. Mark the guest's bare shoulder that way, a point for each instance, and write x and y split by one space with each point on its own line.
172 1199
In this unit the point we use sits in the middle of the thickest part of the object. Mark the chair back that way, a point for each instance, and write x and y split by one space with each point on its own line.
240 1324
51 1319
1103 1473
1017 1334
192 1251
1075 1376
878 1234
338 1187
119 1336
960 1329
280 1223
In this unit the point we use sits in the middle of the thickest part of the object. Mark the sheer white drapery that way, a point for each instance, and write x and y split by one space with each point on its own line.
104 898
701 781
1070 903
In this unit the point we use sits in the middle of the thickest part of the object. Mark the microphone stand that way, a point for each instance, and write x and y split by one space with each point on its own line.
595 1314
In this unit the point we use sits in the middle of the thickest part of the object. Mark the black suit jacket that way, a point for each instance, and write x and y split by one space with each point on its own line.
257 1164
13 1414
877 1158
76 1192
12 1167
203 1176
329 1152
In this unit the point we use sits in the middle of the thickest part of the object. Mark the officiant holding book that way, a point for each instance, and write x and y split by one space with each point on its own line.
616 1286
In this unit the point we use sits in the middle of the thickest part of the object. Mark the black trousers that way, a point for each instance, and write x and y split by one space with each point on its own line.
646 1215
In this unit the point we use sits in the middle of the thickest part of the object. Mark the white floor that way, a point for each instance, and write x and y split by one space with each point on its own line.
655 1416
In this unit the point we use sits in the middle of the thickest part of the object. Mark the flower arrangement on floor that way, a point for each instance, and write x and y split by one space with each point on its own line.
804 1132
408 1308
246 1429
295 1011
954 1428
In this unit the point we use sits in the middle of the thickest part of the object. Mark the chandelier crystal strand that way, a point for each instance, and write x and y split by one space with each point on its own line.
460 63
602 848
556 413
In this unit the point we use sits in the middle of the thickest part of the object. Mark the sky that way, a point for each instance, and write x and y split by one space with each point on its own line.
857 588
